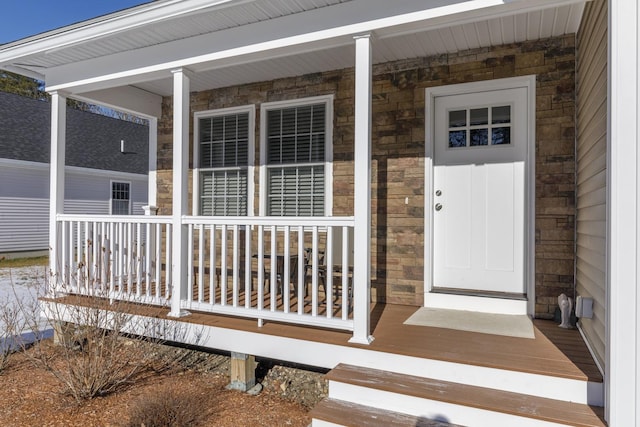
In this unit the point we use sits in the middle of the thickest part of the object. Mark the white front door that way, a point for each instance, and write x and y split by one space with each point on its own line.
479 159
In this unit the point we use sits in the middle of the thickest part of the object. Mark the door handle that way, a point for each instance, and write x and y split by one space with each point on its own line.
438 206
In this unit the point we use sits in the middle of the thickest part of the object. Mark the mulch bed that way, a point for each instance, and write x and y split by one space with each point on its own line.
30 396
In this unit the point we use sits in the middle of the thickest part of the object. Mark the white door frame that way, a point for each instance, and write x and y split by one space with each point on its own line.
470 302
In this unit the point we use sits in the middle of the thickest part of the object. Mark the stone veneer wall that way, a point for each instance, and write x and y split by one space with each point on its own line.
398 151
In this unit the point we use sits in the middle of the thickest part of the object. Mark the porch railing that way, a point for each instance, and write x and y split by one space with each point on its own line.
272 268
122 257
292 270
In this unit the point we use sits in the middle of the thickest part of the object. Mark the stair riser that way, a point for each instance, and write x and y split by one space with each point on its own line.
556 388
322 423
427 408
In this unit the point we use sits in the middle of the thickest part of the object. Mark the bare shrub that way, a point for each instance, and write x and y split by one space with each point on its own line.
102 344
167 408
10 330
17 301
93 358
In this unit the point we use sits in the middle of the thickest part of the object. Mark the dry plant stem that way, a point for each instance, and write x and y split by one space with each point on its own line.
166 407
11 327
97 353
97 358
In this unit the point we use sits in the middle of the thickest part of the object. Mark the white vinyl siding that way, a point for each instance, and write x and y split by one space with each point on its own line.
223 156
24 200
591 221
23 224
296 138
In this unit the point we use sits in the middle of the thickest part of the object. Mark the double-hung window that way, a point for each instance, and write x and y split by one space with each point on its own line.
223 157
120 198
296 156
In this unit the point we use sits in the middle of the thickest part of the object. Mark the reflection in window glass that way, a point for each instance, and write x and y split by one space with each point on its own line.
479 116
480 127
479 137
501 136
457 138
457 118
501 114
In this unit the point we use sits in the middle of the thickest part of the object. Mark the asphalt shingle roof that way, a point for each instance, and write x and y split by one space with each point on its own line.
93 140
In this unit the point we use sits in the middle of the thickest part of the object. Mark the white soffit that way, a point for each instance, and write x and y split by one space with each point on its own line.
473 35
536 20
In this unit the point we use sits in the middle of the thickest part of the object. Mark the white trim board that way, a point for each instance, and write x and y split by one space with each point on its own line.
622 370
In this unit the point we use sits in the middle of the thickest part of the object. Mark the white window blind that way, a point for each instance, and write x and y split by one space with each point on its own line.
223 162
296 139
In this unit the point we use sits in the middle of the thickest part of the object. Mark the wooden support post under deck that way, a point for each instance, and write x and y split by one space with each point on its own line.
180 191
362 196
243 371
56 183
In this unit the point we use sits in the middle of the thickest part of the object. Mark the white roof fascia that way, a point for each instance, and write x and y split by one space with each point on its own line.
44 166
100 27
79 75
23 71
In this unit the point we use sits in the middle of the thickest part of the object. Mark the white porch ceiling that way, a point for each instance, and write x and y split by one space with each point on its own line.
135 47
551 22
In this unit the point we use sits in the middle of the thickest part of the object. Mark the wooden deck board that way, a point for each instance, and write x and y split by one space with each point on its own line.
543 355
353 415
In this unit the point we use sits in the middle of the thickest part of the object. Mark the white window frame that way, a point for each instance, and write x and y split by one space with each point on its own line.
251 109
328 149
111 199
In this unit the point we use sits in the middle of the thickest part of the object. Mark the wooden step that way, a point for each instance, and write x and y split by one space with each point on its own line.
360 385
341 413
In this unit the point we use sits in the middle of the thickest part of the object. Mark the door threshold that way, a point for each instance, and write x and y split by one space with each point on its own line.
480 301
479 293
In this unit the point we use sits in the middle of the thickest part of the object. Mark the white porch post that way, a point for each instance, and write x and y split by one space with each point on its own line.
180 173
152 198
56 182
362 193
623 312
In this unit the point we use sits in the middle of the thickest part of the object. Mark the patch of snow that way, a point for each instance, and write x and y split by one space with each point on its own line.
21 287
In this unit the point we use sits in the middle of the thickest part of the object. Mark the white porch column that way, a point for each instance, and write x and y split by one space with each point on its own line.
56 182
362 193
622 369
180 191
152 198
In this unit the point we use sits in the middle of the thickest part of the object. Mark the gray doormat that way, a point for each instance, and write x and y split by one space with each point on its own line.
485 323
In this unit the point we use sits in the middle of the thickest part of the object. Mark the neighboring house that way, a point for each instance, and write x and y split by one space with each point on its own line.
99 178
478 155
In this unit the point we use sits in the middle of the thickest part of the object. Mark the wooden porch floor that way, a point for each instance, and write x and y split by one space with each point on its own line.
554 351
